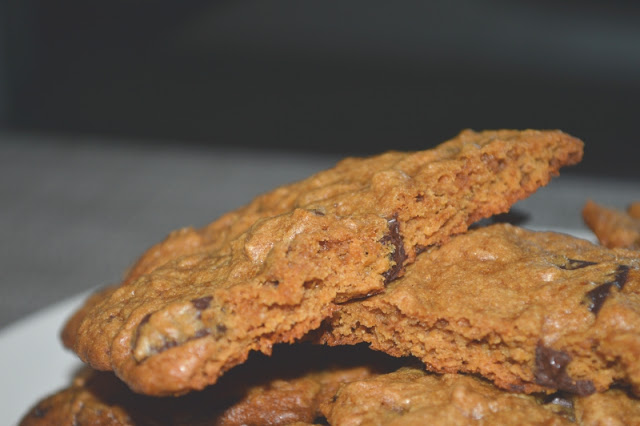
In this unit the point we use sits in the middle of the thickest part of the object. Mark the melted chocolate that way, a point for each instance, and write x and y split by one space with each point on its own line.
201 333
40 411
398 256
621 276
202 303
576 264
598 295
551 371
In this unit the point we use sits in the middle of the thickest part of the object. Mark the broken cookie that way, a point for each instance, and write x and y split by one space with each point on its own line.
197 304
614 228
531 311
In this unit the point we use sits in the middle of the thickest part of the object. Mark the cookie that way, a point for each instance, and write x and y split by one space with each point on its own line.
285 389
410 396
614 228
99 398
196 305
531 311
614 407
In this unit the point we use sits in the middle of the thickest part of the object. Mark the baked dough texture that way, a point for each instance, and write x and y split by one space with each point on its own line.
614 228
409 396
287 388
530 311
356 395
198 303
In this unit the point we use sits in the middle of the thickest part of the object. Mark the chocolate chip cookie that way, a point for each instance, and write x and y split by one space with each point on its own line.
197 304
284 389
410 396
531 311
613 227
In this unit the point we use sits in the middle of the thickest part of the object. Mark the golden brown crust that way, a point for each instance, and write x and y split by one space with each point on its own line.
410 396
68 335
339 395
197 304
101 399
612 408
287 388
530 311
614 228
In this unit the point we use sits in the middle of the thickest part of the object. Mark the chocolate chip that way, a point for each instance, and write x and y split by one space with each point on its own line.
621 276
39 412
576 264
145 320
420 249
320 420
201 333
202 303
221 328
551 371
398 256
598 295
419 198
168 344
317 212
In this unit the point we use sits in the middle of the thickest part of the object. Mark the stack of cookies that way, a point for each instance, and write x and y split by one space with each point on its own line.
470 324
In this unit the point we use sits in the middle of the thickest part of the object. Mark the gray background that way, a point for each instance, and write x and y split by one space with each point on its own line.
348 76
123 120
75 215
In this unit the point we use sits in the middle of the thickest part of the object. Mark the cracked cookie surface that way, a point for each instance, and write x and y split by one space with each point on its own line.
531 311
195 305
409 396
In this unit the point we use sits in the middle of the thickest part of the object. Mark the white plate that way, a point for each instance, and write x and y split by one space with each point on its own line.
35 364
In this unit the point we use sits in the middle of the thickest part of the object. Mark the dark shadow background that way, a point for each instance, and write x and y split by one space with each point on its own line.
348 77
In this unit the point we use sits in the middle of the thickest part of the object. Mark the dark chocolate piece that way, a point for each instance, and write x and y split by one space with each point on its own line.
576 264
398 256
551 371
144 320
598 295
202 303
621 276
39 412
201 333
168 344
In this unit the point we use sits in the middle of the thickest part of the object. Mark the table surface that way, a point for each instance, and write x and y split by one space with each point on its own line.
77 212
